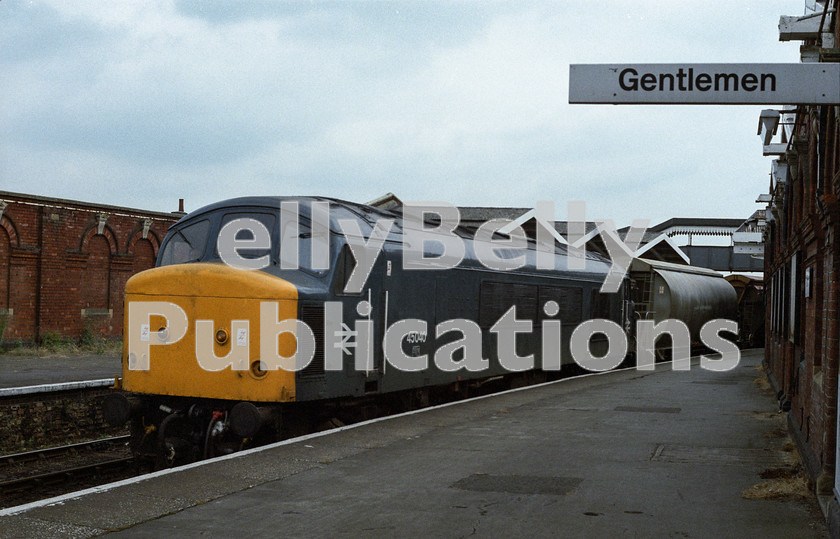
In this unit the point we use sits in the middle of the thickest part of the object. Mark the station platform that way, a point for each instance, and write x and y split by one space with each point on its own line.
629 453
21 371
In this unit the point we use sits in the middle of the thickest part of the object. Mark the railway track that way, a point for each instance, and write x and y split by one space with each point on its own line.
42 473
60 426
7 461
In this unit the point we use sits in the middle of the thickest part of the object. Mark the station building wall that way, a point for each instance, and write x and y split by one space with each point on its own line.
802 276
64 264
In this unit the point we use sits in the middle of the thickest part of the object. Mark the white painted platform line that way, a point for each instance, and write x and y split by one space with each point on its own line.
48 388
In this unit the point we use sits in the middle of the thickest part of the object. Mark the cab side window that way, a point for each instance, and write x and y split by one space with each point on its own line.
266 219
345 265
186 245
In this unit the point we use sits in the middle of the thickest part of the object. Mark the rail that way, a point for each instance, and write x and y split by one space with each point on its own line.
47 452
33 475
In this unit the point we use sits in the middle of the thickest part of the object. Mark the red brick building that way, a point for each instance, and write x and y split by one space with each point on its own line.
802 263
64 264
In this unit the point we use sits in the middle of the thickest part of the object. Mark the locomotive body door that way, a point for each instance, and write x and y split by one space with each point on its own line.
355 338
406 295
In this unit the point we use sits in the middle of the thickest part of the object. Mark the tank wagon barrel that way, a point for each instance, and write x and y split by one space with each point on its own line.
691 294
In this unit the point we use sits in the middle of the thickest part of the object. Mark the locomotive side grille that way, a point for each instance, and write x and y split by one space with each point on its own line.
601 307
568 298
496 298
312 314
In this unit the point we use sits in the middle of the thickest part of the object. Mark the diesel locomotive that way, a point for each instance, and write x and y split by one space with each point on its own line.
217 357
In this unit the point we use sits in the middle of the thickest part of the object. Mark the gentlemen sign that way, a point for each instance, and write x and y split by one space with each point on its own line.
705 84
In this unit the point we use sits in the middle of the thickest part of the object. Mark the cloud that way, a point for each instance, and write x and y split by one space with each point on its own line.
464 102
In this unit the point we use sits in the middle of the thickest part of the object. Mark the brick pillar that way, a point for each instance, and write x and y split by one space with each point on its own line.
830 361
52 299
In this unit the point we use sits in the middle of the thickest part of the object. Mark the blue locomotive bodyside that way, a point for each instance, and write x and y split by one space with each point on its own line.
468 291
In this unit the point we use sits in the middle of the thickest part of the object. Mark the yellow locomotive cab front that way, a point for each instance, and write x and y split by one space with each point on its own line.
193 330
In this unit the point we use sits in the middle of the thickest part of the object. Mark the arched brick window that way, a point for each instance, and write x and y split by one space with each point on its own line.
144 255
5 268
96 277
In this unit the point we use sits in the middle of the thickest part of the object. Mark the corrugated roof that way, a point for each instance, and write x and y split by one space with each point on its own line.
647 237
482 214
697 221
563 227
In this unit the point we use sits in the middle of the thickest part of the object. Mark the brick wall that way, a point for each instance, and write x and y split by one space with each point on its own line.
803 323
64 264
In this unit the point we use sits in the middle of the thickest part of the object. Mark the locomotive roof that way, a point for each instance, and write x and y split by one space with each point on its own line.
368 213
274 202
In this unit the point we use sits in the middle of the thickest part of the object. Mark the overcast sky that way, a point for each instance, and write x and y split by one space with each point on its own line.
142 103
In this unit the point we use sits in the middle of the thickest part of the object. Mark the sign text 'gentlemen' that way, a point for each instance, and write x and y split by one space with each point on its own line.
705 84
